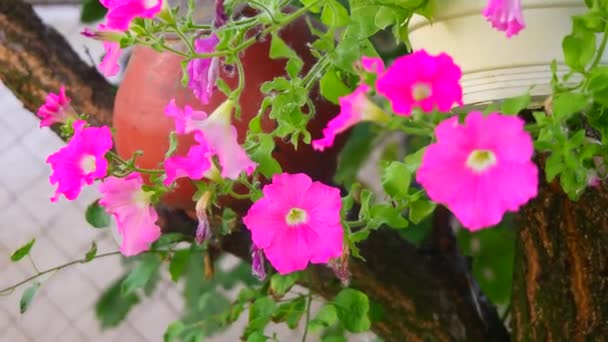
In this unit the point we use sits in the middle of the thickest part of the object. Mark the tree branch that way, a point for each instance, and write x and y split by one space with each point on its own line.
423 295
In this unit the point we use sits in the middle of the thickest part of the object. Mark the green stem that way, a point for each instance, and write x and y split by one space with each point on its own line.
53 269
236 94
132 167
600 50
308 305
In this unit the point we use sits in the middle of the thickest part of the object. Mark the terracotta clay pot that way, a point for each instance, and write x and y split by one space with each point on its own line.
152 79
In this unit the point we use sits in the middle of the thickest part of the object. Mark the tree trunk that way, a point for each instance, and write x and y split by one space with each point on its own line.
560 285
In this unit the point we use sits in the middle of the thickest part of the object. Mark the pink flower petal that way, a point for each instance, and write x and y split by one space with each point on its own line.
81 161
109 64
505 15
56 108
125 199
122 12
423 81
479 197
194 165
315 236
203 72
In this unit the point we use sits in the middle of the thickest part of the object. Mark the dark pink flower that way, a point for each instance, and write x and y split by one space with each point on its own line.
354 108
203 72
131 206
194 165
109 64
505 15
216 132
81 161
423 81
480 169
56 108
121 12
296 222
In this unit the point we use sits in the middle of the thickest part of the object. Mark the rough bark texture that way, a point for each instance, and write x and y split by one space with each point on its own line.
425 294
560 286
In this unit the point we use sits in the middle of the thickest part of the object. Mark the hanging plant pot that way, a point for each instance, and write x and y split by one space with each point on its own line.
495 67
152 79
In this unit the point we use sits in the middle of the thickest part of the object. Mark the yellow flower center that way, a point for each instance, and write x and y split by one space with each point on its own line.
481 160
421 91
88 164
296 216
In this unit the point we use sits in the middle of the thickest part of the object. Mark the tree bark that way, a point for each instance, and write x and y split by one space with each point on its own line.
425 294
560 285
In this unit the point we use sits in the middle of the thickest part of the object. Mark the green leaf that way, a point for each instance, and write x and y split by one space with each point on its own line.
334 14
96 215
173 331
257 337
279 49
396 180
143 272
385 17
290 312
567 104
260 314
92 11
168 239
579 47
27 296
112 307
314 9
332 87
91 253
325 318
363 18
22 251
280 284
413 161
420 209
515 105
178 263
387 214
352 307
262 154
355 152
598 85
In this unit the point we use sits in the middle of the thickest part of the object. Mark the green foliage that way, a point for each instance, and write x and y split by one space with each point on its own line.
352 308
92 11
290 312
91 253
260 314
279 284
493 255
22 251
96 215
113 307
142 274
27 297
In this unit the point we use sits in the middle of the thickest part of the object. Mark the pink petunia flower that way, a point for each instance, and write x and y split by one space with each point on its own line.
122 12
505 15
135 216
111 44
81 161
421 80
296 222
203 72
194 165
217 132
481 169
56 108
354 108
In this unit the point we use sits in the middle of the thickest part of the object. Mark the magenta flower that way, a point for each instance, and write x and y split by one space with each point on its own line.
296 222
505 15
354 108
132 208
194 165
203 72
217 132
56 108
121 12
81 161
421 80
109 64
481 169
